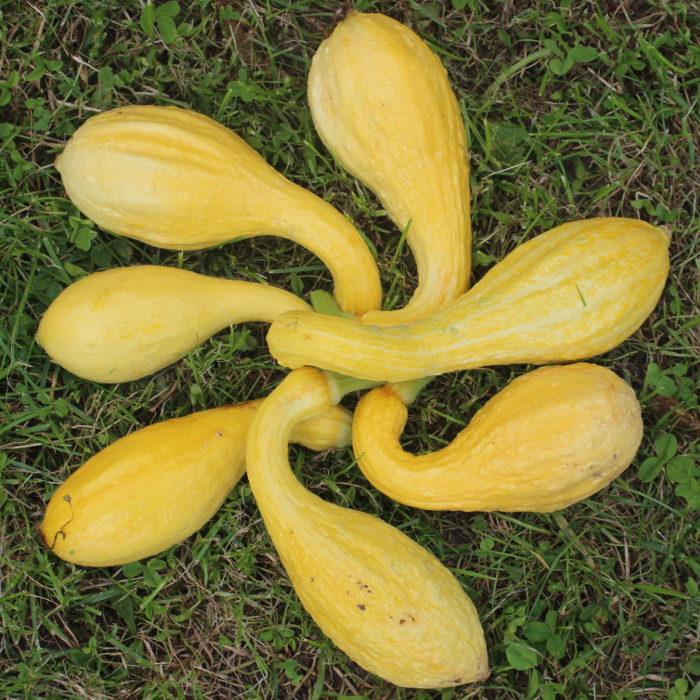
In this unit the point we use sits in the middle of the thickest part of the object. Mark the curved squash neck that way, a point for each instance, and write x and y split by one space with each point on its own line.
304 394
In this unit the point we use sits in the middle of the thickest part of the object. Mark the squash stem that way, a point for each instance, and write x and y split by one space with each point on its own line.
408 391
341 384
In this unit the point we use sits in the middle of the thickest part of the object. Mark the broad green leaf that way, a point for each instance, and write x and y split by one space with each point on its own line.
166 28
61 407
74 270
666 446
649 469
537 632
556 646
487 544
551 618
105 75
148 18
101 255
548 692
553 47
132 569
690 491
666 386
583 54
680 469
83 238
560 67
168 9
37 73
533 684
522 657
654 372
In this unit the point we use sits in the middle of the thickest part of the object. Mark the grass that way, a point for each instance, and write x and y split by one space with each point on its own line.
572 110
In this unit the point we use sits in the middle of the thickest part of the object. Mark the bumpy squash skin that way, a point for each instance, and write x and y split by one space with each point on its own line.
384 600
126 323
568 294
157 486
382 103
551 438
177 179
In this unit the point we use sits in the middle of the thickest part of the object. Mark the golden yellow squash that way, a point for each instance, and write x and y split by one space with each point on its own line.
126 323
158 485
384 600
551 438
568 294
382 103
177 179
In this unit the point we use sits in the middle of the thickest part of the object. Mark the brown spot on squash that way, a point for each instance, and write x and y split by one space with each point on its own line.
360 606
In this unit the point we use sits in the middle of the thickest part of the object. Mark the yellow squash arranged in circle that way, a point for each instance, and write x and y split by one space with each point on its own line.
388 603
567 294
157 486
179 180
126 323
382 103
551 438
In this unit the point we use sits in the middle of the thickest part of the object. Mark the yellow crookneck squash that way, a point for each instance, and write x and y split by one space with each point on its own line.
126 323
552 437
567 294
177 179
382 103
388 603
157 486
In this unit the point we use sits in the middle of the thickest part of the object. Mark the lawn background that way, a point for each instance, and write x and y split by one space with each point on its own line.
573 110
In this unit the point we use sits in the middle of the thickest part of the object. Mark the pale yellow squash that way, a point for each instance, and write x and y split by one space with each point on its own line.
384 600
157 486
177 179
568 294
126 323
552 437
382 103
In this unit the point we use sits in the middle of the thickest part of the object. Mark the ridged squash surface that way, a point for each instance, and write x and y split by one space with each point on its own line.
381 101
160 484
567 294
126 323
388 603
177 179
552 437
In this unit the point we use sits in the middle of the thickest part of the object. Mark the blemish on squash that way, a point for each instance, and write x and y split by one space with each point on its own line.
69 501
360 606
312 579
219 433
